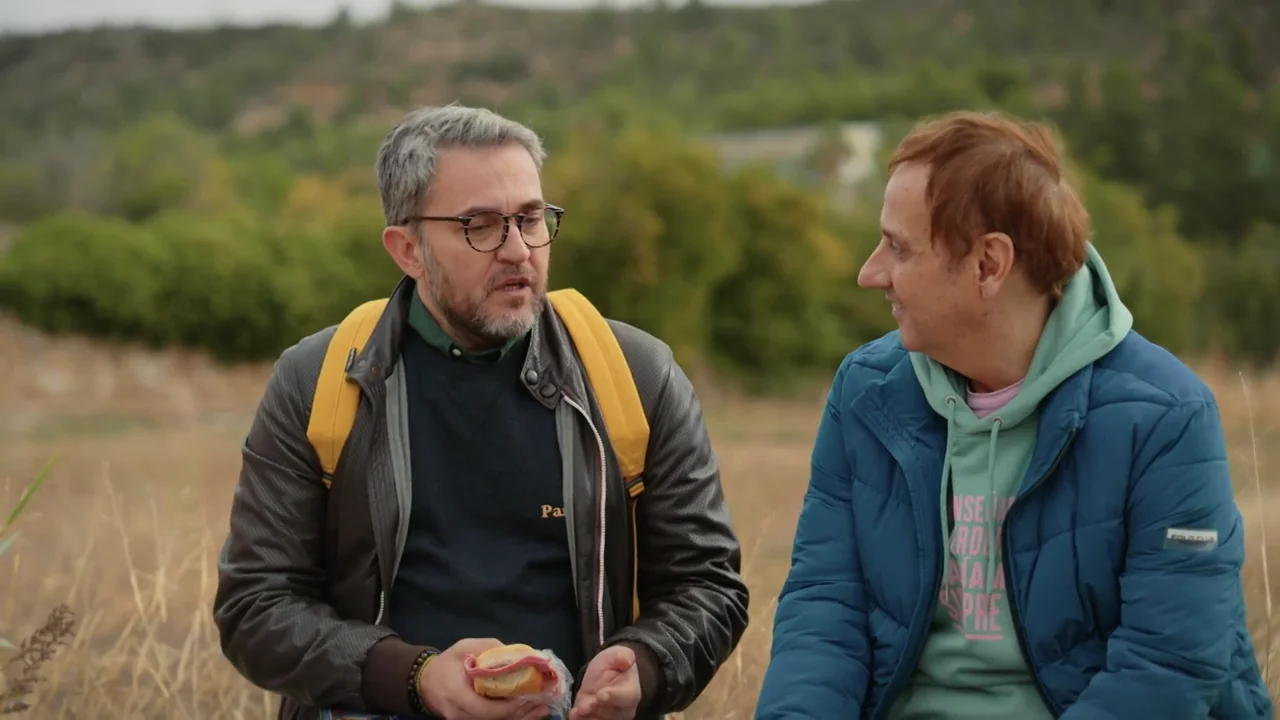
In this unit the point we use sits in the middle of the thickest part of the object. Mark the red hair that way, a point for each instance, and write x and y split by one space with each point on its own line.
989 173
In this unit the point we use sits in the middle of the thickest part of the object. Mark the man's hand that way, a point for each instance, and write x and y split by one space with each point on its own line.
610 687
448 692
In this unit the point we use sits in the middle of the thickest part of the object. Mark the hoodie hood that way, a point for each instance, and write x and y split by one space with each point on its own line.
986 458
1087 323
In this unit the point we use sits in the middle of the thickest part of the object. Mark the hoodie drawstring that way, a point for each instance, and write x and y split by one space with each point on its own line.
992 527
951 401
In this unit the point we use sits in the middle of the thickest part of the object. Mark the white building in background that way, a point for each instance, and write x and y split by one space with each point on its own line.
794 152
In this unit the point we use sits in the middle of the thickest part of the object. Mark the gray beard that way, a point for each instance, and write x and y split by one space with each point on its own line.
486 331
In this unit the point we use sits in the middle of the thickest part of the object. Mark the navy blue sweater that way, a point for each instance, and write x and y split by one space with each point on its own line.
487 552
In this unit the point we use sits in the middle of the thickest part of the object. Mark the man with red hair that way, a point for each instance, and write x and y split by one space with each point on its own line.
1018 507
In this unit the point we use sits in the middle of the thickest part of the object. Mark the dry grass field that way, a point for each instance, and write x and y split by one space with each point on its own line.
128 526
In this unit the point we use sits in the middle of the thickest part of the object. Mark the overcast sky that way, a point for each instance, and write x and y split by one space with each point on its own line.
26 16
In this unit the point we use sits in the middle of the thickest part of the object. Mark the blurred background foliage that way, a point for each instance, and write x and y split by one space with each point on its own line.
721 167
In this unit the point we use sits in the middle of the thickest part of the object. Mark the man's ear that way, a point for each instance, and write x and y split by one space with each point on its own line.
401 243
996 257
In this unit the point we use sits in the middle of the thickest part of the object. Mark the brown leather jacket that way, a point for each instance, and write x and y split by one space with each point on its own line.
304 575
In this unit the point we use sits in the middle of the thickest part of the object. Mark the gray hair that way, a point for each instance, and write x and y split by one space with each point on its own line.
409 152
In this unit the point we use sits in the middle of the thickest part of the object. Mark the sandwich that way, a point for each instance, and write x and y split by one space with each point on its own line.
511 671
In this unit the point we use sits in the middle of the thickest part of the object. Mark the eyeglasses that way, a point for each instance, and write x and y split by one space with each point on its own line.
486 231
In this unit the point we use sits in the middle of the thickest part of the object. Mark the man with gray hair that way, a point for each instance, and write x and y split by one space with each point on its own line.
477 502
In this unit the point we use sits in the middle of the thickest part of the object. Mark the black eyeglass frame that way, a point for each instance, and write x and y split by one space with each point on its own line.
466 220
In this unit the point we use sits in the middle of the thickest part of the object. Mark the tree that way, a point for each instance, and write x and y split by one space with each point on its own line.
1158 273
161 163
776 316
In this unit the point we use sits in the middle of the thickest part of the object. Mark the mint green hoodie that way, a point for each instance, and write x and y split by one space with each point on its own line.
972 667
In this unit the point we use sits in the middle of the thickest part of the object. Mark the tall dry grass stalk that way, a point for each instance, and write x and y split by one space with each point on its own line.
1256 477
147 648
22 672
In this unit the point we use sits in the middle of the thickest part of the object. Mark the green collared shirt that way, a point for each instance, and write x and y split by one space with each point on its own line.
431 332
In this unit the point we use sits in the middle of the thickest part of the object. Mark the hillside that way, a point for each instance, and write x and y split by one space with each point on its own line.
248 80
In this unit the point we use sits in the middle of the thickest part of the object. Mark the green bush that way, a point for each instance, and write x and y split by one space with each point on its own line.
97 275
649 230
1160 275
1244 287
222 289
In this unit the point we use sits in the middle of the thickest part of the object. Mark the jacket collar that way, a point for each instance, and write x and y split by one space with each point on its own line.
896 411
550 366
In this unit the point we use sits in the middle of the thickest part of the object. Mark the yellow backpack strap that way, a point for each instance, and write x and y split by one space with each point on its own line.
619 400
610 378
333 407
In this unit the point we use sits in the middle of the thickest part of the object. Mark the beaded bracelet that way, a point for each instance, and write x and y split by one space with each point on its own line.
416 702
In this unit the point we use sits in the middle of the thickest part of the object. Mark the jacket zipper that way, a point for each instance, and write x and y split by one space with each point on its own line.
1012 591
600 525
891 693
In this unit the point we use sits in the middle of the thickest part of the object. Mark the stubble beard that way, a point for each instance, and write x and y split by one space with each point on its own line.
467 314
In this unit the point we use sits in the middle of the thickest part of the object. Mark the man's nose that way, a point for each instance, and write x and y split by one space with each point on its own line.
513 250
872 275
